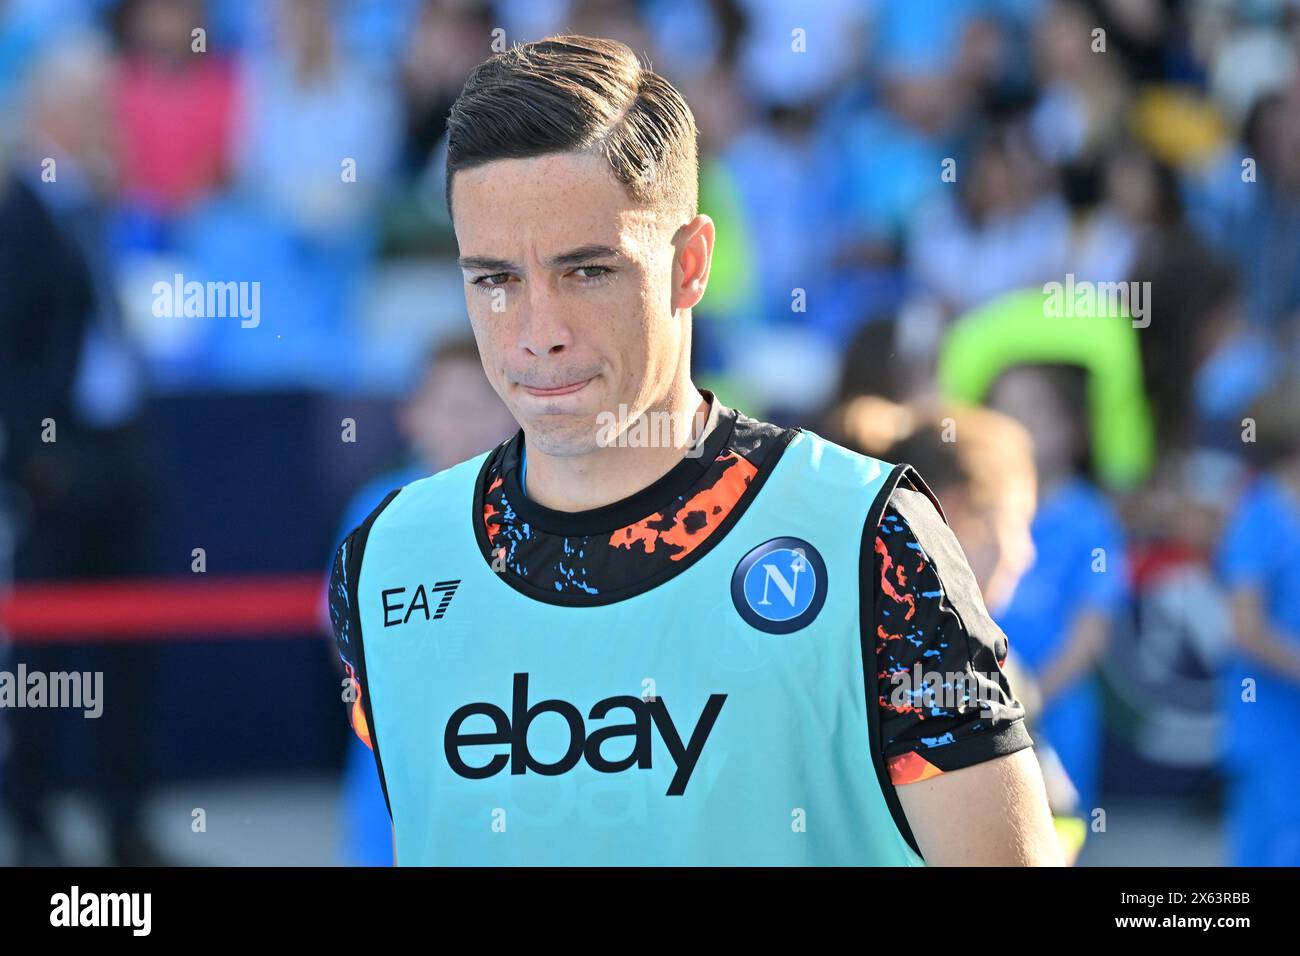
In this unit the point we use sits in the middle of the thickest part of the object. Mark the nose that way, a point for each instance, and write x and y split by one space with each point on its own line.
544 327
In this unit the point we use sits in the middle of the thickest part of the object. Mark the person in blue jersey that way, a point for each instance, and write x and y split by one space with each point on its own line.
451 415
645 630
1063 610
1259 562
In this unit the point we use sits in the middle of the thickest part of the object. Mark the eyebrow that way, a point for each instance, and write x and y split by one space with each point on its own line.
571 258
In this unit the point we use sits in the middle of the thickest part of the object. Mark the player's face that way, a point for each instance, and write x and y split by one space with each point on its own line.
568 283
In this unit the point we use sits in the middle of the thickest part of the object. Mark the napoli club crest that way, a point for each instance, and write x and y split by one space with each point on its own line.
780 586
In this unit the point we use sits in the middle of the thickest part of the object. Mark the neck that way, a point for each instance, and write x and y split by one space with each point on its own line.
621 469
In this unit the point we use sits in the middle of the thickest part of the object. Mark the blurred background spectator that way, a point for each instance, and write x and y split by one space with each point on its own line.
1082 214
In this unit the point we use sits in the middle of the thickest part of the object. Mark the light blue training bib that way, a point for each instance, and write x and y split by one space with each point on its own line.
725 716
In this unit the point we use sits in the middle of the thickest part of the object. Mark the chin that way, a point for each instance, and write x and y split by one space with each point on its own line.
562 436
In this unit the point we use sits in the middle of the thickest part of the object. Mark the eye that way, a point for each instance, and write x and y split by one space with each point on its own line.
601 272
483 281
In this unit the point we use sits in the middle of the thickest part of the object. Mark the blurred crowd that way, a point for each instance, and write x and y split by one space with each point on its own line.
899 188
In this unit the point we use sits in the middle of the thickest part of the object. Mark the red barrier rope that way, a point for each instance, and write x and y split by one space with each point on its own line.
160 609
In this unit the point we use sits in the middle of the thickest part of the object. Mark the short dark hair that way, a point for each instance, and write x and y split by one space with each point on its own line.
575 93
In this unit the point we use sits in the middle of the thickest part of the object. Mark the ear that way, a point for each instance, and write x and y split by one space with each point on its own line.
693 255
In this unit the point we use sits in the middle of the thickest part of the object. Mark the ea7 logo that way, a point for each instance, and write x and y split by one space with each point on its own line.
419 602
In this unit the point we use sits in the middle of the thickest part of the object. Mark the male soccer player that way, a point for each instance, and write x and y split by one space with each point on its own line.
649 629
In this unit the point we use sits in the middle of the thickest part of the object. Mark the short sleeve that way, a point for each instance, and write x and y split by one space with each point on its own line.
945 701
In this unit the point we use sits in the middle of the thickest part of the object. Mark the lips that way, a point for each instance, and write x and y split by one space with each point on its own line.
557 390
